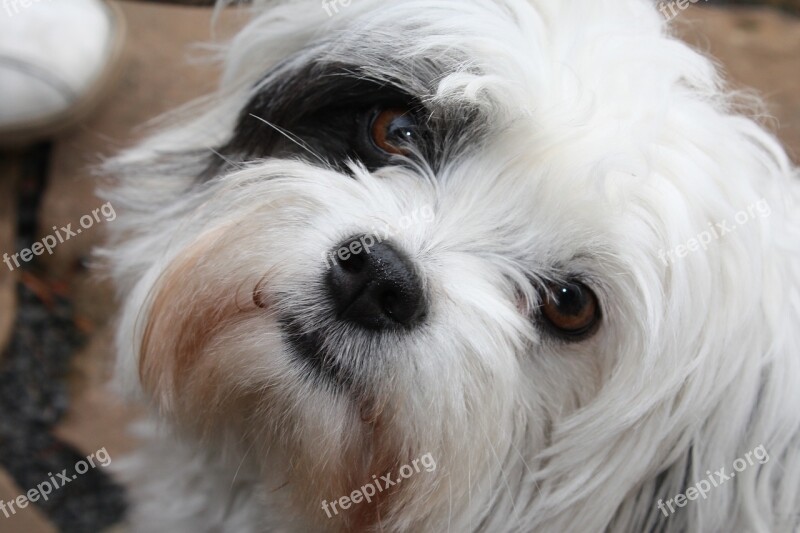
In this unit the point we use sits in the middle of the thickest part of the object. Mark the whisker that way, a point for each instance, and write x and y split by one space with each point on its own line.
291 137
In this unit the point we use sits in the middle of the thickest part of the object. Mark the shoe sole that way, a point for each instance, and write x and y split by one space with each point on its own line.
26 133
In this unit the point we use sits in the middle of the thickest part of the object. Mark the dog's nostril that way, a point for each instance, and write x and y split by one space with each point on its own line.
377 288
389 302
355 263
396 307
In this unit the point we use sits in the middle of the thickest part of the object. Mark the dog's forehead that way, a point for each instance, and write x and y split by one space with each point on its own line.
424 47
426 51
543 112
514 60
516 56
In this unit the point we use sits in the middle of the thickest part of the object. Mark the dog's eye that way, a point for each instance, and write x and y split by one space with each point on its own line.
394 130
571 310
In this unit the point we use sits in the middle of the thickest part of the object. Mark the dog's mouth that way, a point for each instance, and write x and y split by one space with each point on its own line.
310 350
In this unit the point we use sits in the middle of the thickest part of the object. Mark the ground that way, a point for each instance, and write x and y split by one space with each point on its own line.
757 47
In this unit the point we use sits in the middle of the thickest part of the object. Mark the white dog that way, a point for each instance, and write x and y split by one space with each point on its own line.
563 295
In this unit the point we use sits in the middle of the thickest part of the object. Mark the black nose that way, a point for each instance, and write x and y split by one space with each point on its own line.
375 285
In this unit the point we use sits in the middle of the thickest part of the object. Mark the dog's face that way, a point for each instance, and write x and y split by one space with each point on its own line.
440 227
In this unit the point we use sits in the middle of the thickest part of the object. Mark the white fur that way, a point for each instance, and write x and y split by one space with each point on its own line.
610 141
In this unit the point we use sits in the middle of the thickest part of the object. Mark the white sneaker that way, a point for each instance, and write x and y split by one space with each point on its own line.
56 57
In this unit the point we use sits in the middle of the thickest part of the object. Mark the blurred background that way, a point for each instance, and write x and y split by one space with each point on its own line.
57 311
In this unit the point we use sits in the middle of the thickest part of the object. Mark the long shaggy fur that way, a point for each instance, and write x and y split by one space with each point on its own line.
585 140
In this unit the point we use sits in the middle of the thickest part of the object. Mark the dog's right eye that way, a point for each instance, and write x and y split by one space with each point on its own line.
394 130
389 131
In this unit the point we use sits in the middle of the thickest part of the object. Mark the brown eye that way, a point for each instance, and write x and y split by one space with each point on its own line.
571 309
394 130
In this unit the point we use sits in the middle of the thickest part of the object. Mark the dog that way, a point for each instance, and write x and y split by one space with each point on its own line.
461 265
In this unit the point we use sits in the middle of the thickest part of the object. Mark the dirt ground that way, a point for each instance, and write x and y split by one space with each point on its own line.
758 47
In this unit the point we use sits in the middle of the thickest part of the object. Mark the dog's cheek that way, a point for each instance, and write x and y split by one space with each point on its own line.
192 367
193 303
208 329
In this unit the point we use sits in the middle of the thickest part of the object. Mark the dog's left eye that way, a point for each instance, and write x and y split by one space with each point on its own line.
571 310
394 130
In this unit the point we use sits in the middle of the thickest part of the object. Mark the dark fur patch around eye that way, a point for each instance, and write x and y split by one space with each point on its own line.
317 112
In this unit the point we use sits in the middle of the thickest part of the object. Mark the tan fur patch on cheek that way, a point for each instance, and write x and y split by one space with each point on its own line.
192 305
